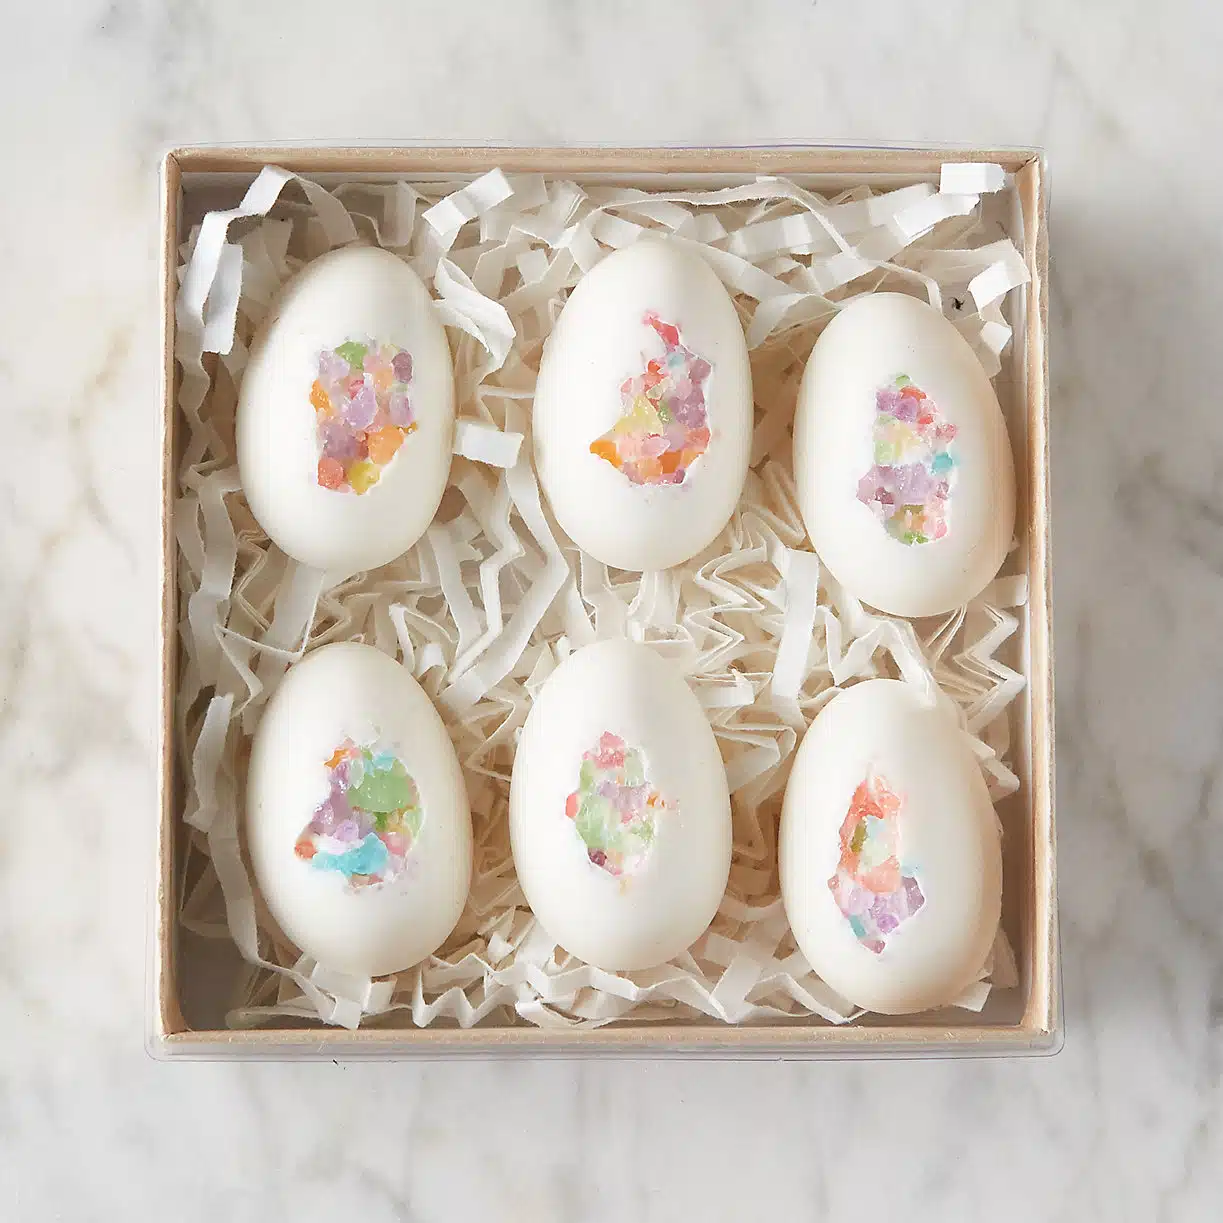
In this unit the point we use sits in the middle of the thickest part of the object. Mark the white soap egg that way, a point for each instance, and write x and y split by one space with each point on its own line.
891 869
642 418
345 420
901 458
619 812
357 817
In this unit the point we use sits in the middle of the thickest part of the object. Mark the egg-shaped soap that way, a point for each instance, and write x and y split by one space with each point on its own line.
642 417
357 817
901 458
619 812
345 421
891 870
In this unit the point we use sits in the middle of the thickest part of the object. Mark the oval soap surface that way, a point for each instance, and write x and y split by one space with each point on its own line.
901 458
619 812
357 817
642 417
891 869
345 421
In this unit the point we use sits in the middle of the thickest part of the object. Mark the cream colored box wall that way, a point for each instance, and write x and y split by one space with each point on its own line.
1034 1025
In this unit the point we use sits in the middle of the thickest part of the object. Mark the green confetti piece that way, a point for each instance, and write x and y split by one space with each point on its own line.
414 818
391 790
586 776
353 352
634 768
592 822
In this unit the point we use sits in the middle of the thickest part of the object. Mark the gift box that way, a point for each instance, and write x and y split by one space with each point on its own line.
196 977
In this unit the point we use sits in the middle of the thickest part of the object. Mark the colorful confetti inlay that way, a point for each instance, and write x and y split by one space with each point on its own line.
614 808
910 483
361 402
665 425
368 823
872 888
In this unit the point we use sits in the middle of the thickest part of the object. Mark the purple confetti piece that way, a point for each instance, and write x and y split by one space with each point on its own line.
401 366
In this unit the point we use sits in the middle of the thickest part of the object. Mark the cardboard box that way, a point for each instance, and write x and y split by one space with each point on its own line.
1021 1021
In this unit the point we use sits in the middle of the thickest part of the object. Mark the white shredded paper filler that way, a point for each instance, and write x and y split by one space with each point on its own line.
484 607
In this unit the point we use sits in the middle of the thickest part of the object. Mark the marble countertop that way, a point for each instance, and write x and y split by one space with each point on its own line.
1126 1123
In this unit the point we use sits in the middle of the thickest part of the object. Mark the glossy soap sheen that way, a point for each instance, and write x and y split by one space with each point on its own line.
353 294
879 742
341 694
638 884
642 304
877 349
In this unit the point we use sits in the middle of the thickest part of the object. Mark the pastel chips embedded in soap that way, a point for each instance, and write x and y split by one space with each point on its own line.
902 462
642 414
357 817
890 858
619 811
345 422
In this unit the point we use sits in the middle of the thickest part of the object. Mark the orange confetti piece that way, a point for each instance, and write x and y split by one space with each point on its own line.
320 398
383 443
604 449
330 473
